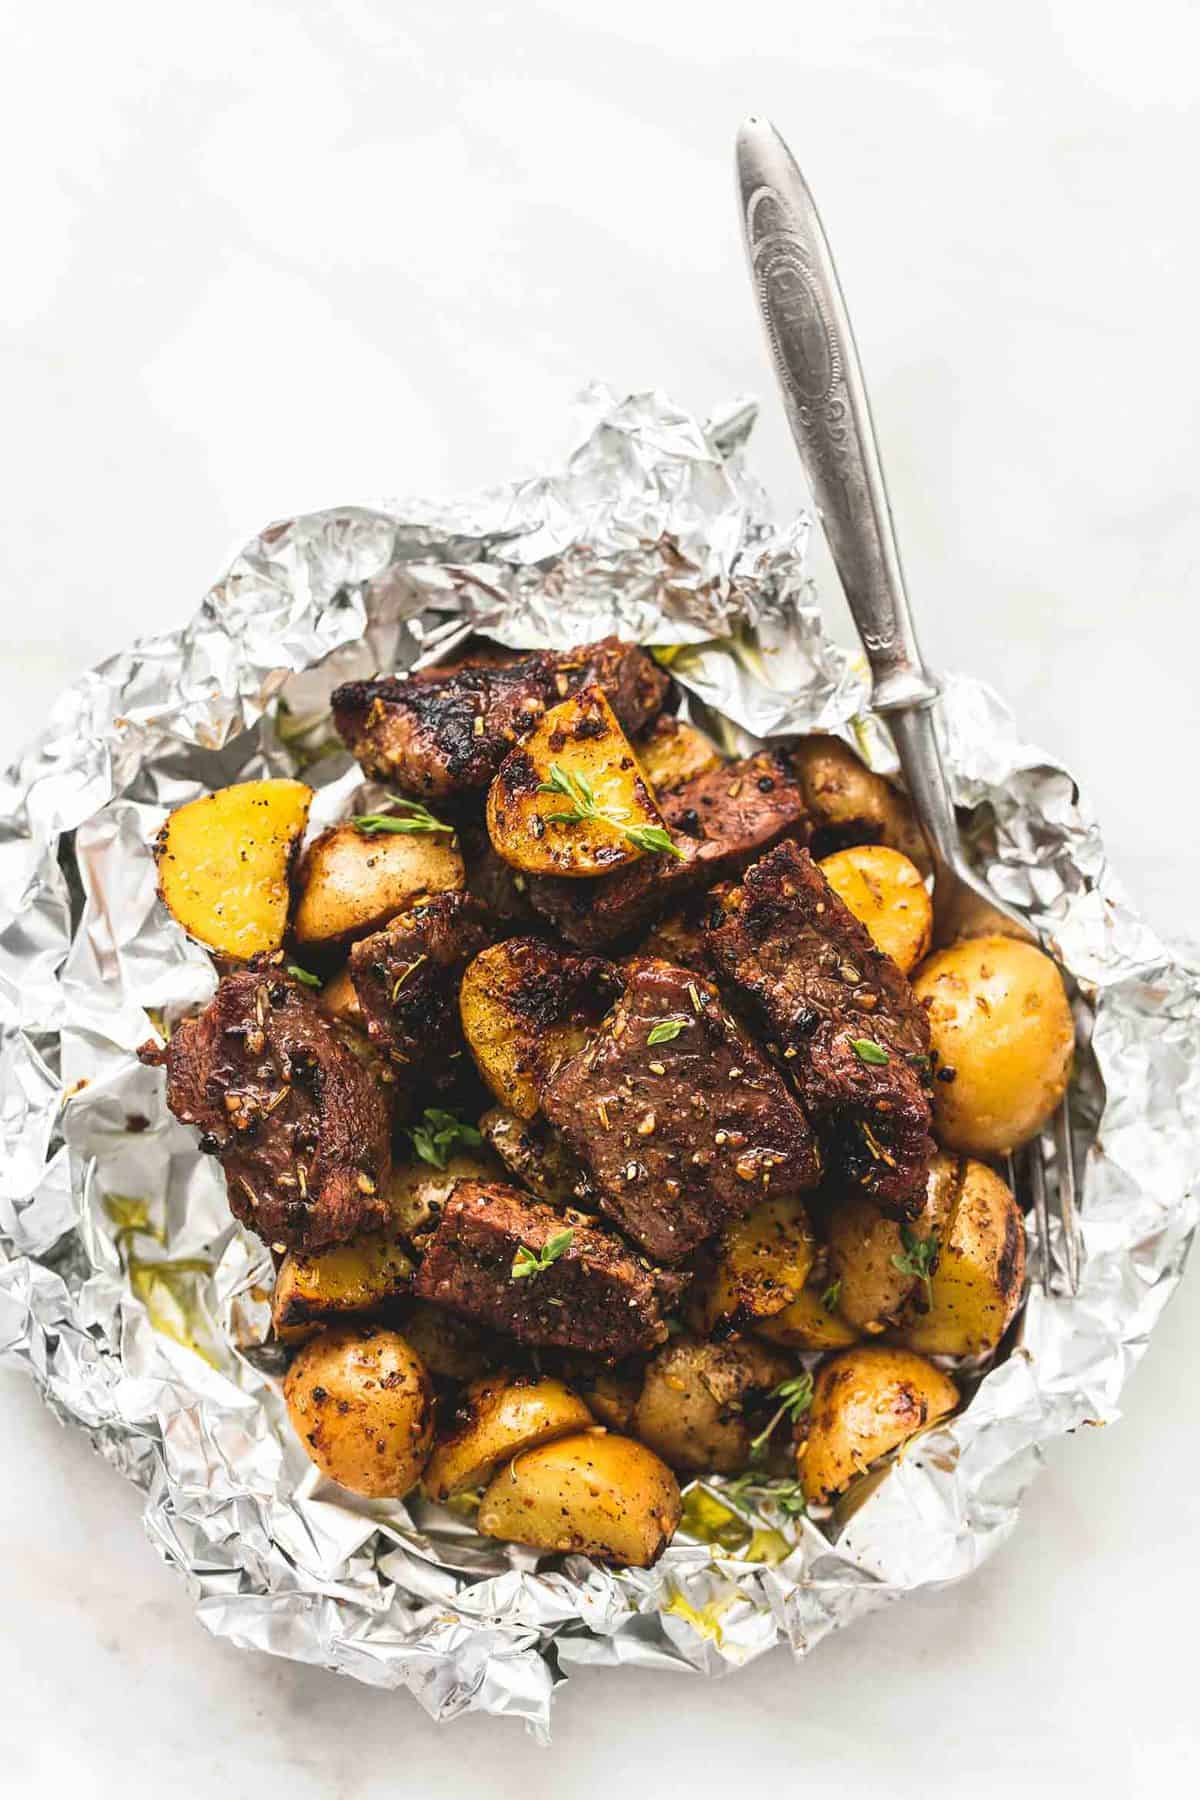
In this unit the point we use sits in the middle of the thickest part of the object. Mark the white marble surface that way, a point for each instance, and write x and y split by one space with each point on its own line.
266 254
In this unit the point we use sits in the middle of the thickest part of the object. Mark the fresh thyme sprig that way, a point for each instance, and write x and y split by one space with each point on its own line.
778 1490
409 817
304 976
439 1133
918 1258
529 1262
584 805
795 1398
832 1295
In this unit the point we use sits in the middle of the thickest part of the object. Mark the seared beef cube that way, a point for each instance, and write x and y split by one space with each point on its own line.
681 1121
681 938
845 1020
502 888
441 735
301 1126
407 979
720 822
595 1295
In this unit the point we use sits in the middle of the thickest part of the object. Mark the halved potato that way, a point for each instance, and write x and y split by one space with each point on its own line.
572 800
809 1322
850 804
538 1159
224 862
497 1418
452 1348
361 1402
358 1277
866 1401
693 1399
886 893
864 1247
524 1006
349 884
594 1492
416 1192
671 752
976 1287
760 1264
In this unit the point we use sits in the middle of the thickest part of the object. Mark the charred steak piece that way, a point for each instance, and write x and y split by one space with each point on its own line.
720 822
407 978
596 1295
679 1118
444 735
301 1127
845 1020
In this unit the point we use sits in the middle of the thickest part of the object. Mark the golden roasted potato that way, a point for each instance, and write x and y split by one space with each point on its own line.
361 1403
451 1348
571 800
759 1265
538 1159
416 1192
877 1263
595 1493
499 1417
524 1006
809 1322
850 804
866 1401
224 862
693 1398
339 998
1003 1039
886 893
977 1284
671 752
350 883
612 1396
358 1277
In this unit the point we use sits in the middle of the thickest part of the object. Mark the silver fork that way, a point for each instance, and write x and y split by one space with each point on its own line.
826 403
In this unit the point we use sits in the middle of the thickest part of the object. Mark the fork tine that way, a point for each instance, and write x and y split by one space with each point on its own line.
1068 1200
1041 1212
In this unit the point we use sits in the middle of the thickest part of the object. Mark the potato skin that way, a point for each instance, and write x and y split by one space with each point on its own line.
863 1244
593 1493
360 1400
886 893
980 1273
500 1417
1000 1019
866 1401
759 1265
451 1348
349 884
358 1277
850 804
807 1323
582 739
224 862
524 1005
416 1192
671 752
690 1409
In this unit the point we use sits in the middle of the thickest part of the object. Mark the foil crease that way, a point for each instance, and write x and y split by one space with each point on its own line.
140 1309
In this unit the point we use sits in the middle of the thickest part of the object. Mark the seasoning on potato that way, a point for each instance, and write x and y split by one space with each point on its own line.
886 893
361 1403
866 1401
975 1289
594 1493
879 1262
498 1418
1003 1039
224 862
695 1396
351 881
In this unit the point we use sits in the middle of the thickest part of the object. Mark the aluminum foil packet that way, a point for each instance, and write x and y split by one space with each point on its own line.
142 1311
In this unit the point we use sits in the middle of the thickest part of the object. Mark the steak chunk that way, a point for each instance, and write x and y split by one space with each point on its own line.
685 1133
596 1295
301 1127
720 822
442 735
407 978
845 1020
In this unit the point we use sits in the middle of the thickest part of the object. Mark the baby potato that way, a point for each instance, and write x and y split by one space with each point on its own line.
538 1159
524 1005
671 752
497 1418
351 1278
350 883
760 1265
451 1348
809 1322
224 861
864 1248
572 800
977 1284
850 804
1004 1041
360 1400
612 1395
866 1401
691 1405
594 1493
886 893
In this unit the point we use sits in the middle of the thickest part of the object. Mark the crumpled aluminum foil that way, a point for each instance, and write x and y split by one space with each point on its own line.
138 1306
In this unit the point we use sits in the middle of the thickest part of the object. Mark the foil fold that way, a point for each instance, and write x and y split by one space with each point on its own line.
141 1310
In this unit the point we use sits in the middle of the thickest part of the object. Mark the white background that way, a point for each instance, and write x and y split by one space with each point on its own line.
261 256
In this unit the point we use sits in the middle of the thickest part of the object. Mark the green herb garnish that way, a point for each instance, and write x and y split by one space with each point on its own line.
440 1133
303 975
409 817
868 1051
584 805
795 1398
532 1262
778 1490
669 1029
919 1258
832 1295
